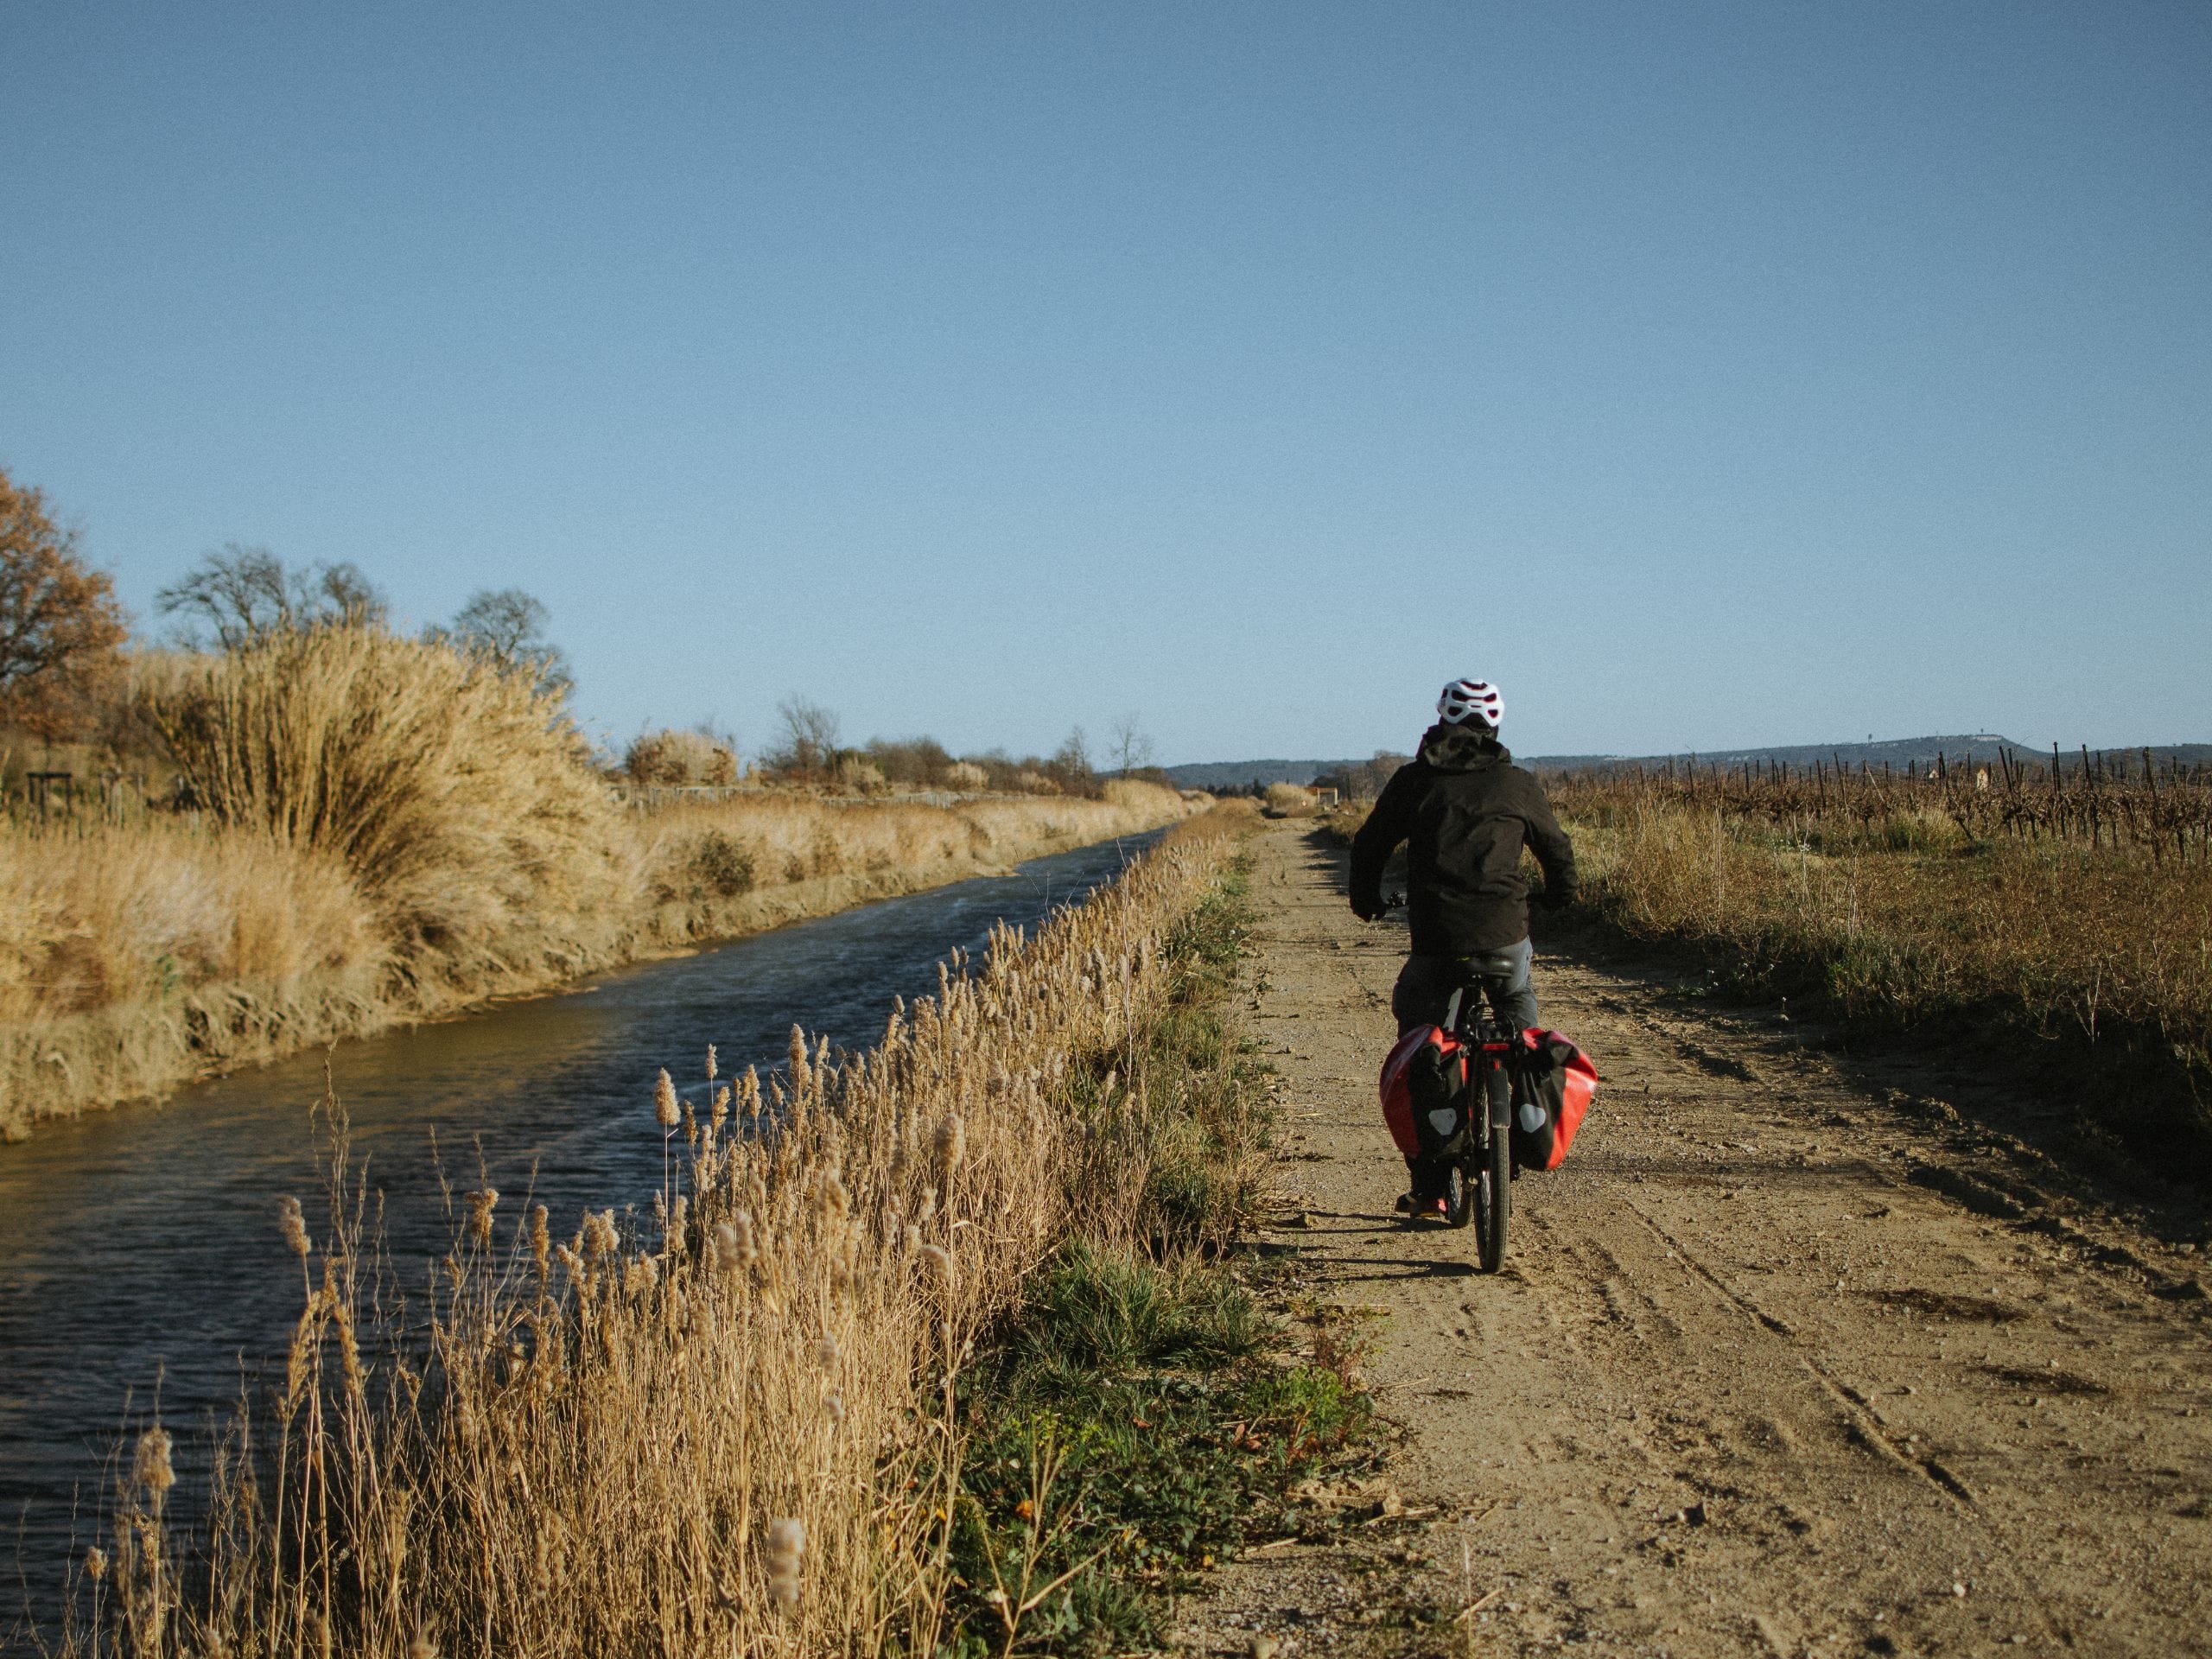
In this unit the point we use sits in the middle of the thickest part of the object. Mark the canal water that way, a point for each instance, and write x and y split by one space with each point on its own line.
141 1244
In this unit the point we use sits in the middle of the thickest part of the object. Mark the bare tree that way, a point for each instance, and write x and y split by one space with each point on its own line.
239 592
1075 754
244 594
811 732
1069 766
502 623
60 623
1130 747
342 593
508 625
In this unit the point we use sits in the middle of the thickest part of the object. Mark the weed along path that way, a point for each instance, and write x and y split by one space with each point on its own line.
1778 1365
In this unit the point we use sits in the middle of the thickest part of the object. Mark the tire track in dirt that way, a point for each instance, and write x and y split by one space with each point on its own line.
1754 1380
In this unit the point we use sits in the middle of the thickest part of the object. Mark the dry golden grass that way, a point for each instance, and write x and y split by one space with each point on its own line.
2080 941
728 1429
130 958
388 831
2069 914
2066 908
2087 901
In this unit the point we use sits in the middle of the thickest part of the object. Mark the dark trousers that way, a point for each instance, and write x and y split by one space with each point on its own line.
1426 984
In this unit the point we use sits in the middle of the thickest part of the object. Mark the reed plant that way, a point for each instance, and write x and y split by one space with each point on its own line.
732 1426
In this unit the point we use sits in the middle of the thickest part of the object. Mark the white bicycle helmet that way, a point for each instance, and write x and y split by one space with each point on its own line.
1476 700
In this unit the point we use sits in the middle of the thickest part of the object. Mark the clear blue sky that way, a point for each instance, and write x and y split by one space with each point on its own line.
1706 375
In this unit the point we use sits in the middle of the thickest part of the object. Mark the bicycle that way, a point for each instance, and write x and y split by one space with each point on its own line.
1478 1168
1478 1177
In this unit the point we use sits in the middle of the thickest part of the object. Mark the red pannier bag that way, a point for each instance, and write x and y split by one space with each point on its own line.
1424 1087
1559 1077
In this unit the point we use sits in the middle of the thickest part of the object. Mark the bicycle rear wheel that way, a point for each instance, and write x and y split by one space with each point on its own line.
1458 1194
1491 1177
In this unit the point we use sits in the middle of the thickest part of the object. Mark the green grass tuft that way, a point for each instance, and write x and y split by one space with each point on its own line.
1137 1416
1133 1424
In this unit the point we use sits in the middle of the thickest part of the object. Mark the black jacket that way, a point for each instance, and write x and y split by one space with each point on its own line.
1464 810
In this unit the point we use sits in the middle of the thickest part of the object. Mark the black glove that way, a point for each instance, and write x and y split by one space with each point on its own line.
1368 910
1555 898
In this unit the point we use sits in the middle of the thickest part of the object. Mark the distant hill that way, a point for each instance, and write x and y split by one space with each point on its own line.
1897 754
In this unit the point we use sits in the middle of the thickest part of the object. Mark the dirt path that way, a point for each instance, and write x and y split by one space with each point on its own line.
1767 1372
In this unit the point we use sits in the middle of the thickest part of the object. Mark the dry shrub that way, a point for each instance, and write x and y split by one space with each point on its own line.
728 1430
458 796
857 772
1290 801
680 759
967 775
93 917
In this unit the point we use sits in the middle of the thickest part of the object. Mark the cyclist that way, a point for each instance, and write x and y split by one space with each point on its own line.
1464 811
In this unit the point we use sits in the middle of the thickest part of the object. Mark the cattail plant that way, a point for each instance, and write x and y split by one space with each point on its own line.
948 1143
145 1585
666 1112
481 1203
786 1557
797 1063
295 1227
150 1466
734 1242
